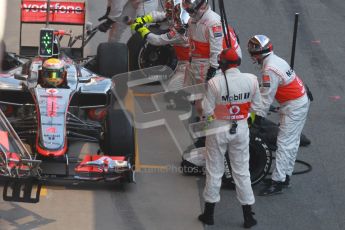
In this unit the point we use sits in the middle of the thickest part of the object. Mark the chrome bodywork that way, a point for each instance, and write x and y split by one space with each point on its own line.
49 113
181 16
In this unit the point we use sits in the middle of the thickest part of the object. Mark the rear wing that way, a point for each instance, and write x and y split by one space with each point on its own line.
61 12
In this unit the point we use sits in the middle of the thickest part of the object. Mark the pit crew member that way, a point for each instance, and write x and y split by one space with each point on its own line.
117 11
230 96
206 40
2 29
280 82
176 36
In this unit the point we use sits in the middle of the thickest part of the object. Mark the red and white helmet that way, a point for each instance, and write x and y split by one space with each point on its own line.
259 47
195 8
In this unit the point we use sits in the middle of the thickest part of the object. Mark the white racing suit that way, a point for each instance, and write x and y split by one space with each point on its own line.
3 4
130 9
280 82
206 42
181 47
226 107
148 6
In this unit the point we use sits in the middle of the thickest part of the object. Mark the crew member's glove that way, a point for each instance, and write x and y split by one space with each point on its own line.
144 19
105 26
105 16
256 126
135 26
209 120
211 72
141 29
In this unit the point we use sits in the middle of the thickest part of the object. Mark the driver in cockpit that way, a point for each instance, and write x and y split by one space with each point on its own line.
53 73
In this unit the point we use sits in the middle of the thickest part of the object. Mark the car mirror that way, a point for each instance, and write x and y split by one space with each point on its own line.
88 27
19 76
84 79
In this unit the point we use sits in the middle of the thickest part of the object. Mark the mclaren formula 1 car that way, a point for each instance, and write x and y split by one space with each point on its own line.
53 100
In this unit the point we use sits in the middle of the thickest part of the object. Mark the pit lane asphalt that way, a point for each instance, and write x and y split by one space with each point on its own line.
172 201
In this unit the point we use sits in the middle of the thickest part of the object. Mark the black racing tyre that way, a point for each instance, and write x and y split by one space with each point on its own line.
259 163
260 159
143 55
112 59
119 135
134 44
150 56
190 169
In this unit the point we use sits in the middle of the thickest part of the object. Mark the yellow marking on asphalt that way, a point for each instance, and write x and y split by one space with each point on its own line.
150 168
143 166
129 104
143 94
44 191
136 154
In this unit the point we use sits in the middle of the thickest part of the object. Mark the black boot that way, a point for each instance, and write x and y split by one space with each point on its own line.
249 220
207 216
275 187
285 184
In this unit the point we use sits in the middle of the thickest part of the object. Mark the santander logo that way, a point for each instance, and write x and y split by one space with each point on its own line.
58 7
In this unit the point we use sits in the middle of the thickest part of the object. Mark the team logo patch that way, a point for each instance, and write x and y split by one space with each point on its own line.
171 34
52 91
51 129
266 81
217 31
234 110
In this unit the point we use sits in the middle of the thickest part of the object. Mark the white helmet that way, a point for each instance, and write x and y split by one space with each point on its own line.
195 8
259 47
180 16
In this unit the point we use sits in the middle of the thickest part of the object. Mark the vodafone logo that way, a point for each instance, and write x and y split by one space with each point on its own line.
52 91
58 7
51 129
234 109
65 12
